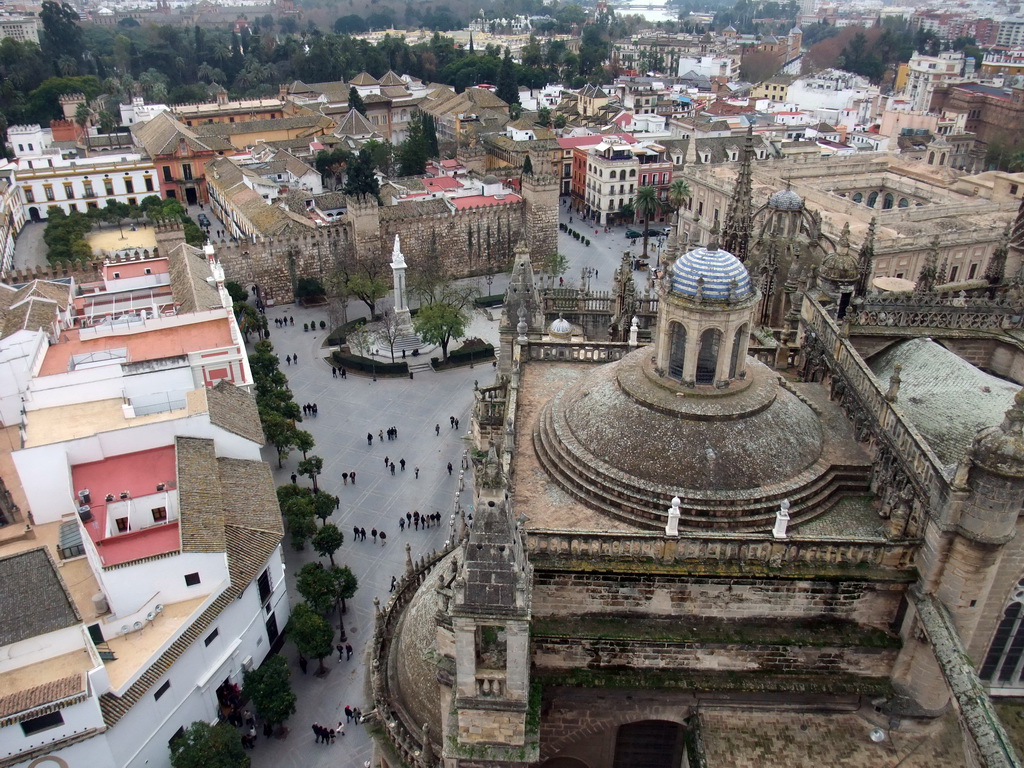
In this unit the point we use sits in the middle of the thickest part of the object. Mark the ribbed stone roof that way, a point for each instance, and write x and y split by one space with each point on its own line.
715 275
786 200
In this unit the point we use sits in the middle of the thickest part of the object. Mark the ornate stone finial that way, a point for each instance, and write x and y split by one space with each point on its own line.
781 520
844 237
713 244
634 332
1002 448
408 557
894 384
700 289
427 750
672 528
376 605
522 327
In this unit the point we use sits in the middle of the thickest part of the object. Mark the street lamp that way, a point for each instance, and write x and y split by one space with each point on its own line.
489 279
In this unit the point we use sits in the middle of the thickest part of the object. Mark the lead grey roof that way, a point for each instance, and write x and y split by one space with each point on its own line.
945 397
33 597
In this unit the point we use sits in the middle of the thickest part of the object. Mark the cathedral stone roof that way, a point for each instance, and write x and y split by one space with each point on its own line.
710 274
786 200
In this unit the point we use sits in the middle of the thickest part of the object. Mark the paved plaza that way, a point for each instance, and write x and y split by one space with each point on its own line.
348 409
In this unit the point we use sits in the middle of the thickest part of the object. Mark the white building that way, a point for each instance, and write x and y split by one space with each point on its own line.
1011 32
48 177
12 218
709 66
925 72
838 97
140 112
22 29
160 512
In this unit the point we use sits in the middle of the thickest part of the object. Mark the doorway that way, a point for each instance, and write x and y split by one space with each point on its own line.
191 197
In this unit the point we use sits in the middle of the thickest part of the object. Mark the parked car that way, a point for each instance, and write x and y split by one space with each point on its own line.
655 233
666 231
203 220
632 234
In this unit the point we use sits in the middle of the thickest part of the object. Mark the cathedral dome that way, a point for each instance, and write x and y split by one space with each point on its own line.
786 200
490 178
712 275
840 266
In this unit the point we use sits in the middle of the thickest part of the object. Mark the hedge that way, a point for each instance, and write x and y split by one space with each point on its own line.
494 300
368 365
340 335
465 355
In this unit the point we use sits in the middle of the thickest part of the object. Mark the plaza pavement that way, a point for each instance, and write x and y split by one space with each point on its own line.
348 409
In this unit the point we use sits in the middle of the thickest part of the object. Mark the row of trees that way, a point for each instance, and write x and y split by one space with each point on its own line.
65 234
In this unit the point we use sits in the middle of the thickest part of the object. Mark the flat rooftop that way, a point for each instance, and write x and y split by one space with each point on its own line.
137 474
69 422
144 345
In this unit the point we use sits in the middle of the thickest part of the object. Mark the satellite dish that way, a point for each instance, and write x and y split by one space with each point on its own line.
877 735
138 625
151 615
159 608
125 629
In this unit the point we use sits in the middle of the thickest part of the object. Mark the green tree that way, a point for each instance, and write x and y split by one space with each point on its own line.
544 117
61 34
556 264
647 204
107 122
311 467
678 193
235 291
430 134
355 101
508 85
208 746
280 433
270 691
318 587
312 635
364 282
439 323
412 154
527 166
328 540
360 178
324 505
303 442
299 514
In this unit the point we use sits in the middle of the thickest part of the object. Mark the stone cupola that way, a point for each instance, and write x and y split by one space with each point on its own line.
704 318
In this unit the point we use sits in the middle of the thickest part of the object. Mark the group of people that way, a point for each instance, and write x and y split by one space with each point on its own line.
309 409
281 322
326 735
415 520
359 534
291 359
335 371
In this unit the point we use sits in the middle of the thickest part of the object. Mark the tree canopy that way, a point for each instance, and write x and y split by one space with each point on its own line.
269 690
208 746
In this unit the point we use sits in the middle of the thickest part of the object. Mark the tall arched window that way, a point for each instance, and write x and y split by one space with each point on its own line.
931 158
737 345
677 350
1003 662
707 357
904 203
872 199
887 201
942 159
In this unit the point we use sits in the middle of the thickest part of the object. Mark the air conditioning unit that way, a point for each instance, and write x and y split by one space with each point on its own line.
84 497
85 513
161 486
247 663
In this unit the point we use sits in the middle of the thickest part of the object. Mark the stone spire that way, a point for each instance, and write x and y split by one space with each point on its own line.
930 269
866 260
995 272
739 219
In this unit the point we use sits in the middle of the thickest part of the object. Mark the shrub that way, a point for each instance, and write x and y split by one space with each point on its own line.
322 325
472 351
368 365
340 335
493 300
305 327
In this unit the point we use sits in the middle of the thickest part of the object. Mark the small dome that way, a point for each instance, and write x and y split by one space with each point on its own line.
560 328
715 275
786 200
490 178
840 266
1001 449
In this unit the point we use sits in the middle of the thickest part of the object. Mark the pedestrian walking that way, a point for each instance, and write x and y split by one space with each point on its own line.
362 534
316 412
340 730
295 358
355 533
295 478
302 663
380 435
392 469
344 478
288 359
401 524
401 463
331 733
456 425
316 730
394 583
408 517
451 419
344 373
449 467
291 320
437 430
387 462
352 477
373 533
334 372
348 650
341 652
417 473
383 538
369 438
348 713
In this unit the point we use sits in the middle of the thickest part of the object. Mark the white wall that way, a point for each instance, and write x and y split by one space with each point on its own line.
130 587
78 718
40 648
17 353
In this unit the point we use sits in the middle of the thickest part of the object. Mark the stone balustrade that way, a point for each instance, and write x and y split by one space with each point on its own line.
911 311
490 683
709 549
582 352
921 463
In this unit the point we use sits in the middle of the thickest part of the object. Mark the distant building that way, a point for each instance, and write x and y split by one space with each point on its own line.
24 30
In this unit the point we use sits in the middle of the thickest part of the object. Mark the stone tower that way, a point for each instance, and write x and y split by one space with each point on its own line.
540 211
490 615
522 297
840 272
739 219
363 216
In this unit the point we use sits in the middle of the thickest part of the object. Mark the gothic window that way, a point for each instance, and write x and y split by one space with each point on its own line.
887 201
707 356
872 199
1002 665
904 203
677 350
858 198
942 159
931 158
737 345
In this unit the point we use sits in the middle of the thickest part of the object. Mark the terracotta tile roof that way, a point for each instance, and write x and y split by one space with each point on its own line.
354 124
162 134
200 501
310 124
189 270
364 78
250 497
234 409
28 701
33 597
391 78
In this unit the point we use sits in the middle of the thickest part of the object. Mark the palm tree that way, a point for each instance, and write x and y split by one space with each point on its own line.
678 194
647 204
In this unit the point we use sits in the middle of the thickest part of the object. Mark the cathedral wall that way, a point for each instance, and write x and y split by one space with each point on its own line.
491 727
1009 573
562 653
561 594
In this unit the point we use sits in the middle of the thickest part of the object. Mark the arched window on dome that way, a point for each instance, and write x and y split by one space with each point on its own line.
904 203
1002 667
707 356
677 350
931 158
942 159
737 348
872 199
858 197
887 201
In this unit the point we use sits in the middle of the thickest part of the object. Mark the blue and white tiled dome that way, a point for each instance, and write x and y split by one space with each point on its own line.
724 277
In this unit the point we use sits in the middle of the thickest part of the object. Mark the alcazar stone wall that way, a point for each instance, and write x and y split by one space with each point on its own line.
464 242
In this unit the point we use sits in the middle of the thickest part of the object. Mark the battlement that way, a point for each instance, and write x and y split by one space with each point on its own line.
80 271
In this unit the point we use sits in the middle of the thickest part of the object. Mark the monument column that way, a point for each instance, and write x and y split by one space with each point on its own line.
398 266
